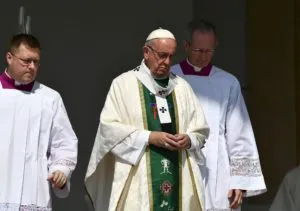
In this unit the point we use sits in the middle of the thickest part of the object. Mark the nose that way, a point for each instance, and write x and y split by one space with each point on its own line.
168 60
31 64
202 56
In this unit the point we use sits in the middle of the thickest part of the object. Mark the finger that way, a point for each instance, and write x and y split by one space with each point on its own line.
184 142
64 181
235 202
171 137
59 175
169 147
172 143
240 200
230 193
55 176
61 180
50 177
180 137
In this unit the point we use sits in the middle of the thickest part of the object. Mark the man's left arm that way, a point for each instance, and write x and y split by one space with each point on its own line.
246 173
62 151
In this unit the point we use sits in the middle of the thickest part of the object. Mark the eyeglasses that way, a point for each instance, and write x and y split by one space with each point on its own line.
161 55
27 62
203 51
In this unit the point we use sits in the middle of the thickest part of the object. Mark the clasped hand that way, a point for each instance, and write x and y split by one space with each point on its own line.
169 141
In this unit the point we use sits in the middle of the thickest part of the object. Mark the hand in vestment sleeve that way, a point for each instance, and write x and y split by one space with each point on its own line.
164 140
235 197
245 167
62 147
58 179
184 141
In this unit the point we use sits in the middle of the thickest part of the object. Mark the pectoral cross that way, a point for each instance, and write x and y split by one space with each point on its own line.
163 110
161 92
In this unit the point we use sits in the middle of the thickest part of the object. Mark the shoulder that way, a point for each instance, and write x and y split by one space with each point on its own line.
176 69
181 83
46 91
179 79
124 79
225 76
226 81
125 76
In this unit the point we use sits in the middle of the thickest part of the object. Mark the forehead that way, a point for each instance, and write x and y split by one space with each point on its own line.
203 39
27 51
165 45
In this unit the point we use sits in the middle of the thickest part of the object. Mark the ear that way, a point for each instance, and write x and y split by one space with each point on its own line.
217 43
146 52
186 45
9 58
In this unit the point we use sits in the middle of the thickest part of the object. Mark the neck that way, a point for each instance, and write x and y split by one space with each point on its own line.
159 77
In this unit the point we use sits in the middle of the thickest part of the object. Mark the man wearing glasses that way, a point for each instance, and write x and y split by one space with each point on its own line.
38 145
148 142
232 161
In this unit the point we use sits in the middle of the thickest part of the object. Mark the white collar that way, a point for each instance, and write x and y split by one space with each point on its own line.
197 69
144 75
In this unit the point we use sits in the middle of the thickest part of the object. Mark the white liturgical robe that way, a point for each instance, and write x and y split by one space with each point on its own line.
232 160
37 139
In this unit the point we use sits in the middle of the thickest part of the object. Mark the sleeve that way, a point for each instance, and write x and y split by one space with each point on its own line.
62 147
197 129
116 134
246 173
132 148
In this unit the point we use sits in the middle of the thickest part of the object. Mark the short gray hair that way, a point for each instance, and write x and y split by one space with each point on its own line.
148 42
198 25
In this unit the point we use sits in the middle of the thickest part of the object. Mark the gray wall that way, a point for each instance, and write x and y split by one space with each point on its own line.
85 45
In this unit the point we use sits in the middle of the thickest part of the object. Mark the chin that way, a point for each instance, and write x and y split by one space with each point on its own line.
163 72
28 80
202 64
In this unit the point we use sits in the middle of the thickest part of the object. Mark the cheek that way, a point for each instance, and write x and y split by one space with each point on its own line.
203 57
195 57
17 69
154 63
208 57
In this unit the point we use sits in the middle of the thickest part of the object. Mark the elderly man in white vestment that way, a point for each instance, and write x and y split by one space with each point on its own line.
38 147
232 161
148 145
